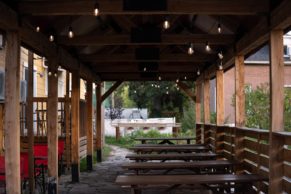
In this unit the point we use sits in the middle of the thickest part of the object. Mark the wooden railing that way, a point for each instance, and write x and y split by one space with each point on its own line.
251 148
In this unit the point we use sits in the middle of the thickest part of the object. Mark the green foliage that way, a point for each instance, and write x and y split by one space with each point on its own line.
124 93
188 119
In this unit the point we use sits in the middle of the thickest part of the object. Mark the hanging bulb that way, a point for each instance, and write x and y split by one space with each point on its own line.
96 9
158 86
219 29
160 78
51 38
144 69
152 85
198 72
185 78
166 24
135 91
190 49
176 85
70 33
220 66
37 29
167 92
220 55
207 47
177 80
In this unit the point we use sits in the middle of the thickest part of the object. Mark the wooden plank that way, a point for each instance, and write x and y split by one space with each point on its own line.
75 106
68 121
219 97
52 121
277 111
98 121
206 90
208 7
29 121
89 123
184 87
12 110
239 91
110 90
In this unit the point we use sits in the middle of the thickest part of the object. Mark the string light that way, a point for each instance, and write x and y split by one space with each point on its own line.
37 29
166 24
144 69
219 29
207 47
190 49
220 67
220 55
167 92
185 78
160 78
96 9
177 80
198 72
70 33
51 38
135 91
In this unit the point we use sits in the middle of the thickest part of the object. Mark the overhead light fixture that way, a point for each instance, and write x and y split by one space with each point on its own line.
198 72
166 24
96 9
207 47
51 38
37 29
219 29
71 33
220 55
190 49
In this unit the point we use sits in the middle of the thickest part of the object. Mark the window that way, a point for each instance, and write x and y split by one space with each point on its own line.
287 51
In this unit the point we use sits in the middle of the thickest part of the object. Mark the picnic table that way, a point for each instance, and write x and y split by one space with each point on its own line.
166 140
165 157
242 183
169 145
165 149
199 167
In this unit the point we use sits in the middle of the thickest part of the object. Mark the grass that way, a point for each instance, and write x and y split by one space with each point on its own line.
105 154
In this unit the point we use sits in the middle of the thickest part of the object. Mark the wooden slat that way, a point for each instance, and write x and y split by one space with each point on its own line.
206 101
219 97
287 170
286 186
89 123
250 156
287 155
239 91
252 145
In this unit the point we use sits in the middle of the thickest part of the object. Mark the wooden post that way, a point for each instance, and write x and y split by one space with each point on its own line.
12 116
29 121
117 133
52 123
75 106
239 91
277 112
1 129
98 121
219 98
206 101
198 114
68 121
89 125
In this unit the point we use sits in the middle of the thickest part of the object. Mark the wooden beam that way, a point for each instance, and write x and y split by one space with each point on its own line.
75 104
68 120
219 98
125 39
29 121
130 57
187 90
239 91
206 100
12 118
110 90
89 124
98 121
8 18
277 112
52 122
208 7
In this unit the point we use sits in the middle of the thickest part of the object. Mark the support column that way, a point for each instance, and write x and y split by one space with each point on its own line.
98 121
75 106
199 132
52 124
12 116
219 98
29 121
206 101
89 125
68 121
277 111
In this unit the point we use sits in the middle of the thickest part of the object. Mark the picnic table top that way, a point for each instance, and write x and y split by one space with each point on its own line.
177 165
164 138
171 148
170 145
170 156
187 179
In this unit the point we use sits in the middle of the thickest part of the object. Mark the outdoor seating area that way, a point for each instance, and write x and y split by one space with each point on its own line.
204 171
145 96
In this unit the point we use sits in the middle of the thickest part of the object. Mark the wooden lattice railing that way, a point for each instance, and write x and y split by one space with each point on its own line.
251 148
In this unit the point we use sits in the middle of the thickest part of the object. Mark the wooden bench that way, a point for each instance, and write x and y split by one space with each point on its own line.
164 157
199 167
165 149
166 140
217 183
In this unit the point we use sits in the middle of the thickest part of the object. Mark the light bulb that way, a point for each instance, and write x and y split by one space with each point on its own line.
71 33
135 91
185 78
167 92
219 29
51 38
144 69
49 73
96 9
220 55
56 75
160 78
152 85
166 24
220 67
37 29
207 47
198 72
190 49
177 80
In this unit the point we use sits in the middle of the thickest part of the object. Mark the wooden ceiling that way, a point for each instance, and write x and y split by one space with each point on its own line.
108 44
